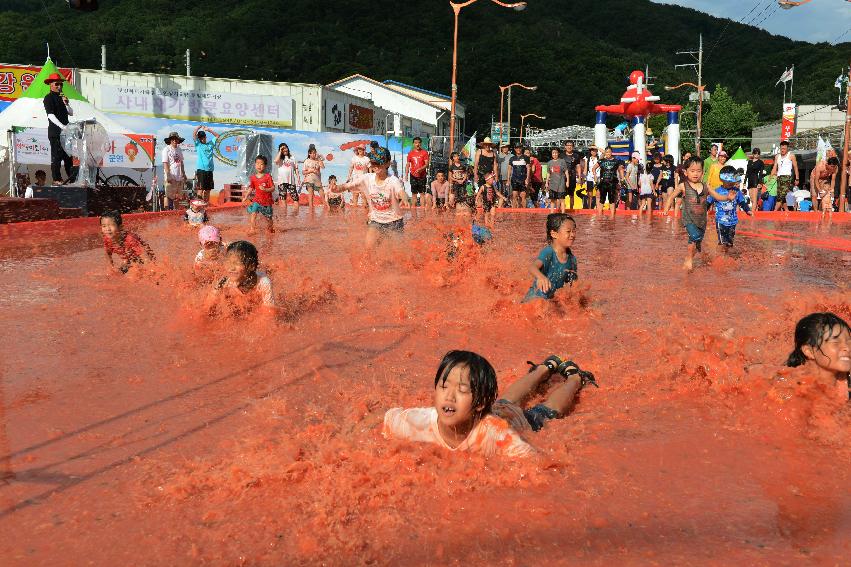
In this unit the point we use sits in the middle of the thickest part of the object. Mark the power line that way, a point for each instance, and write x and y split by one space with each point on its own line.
730 21
61 39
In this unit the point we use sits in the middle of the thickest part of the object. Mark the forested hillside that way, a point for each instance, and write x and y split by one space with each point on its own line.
577 51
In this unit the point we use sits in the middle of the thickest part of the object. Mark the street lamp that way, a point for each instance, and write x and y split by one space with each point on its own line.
700 89
456 8
501 101
522 118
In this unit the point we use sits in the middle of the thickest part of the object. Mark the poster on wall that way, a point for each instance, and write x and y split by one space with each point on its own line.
336 148
787 128
198 106
361 119
335 113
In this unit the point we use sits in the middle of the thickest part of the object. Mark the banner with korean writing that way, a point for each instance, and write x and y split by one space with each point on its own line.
14 80
787 128
198 106
135 151
336 148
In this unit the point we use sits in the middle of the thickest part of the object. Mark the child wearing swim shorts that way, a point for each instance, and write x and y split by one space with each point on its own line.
384 195
486 194
823 343
555 265
312 172
695 205
467 416
333 199
260 195
128 246
726 216
244 287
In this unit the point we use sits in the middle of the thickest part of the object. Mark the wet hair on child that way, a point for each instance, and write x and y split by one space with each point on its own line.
482 377
453 155
262 158
812 331
693 160
330 177
830 161
554 222
114 215
246 252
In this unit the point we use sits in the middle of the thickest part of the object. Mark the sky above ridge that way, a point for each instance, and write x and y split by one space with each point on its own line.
816 21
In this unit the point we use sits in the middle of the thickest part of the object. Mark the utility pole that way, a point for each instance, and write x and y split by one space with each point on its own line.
698 67
846 160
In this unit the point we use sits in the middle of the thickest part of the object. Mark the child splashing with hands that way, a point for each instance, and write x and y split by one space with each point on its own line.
467 416
128 246
261 202
823 344
244 287
555 265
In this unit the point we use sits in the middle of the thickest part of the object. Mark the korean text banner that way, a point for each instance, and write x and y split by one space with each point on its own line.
14 80
134 151
198 106
336 148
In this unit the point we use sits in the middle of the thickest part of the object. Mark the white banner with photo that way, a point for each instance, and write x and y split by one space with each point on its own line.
123 150
198 106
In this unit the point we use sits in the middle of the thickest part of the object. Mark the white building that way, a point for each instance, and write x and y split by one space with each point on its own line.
306 107
422 112
809 117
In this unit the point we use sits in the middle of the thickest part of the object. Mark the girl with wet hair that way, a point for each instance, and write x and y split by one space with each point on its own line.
555 266
823 342
243 280
469 415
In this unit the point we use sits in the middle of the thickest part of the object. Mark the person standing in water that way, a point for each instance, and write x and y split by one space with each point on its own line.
484 161
696 204
288 181
358 166
312 172
786 169
384 195
416 169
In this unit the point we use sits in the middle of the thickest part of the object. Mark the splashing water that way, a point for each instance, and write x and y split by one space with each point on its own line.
133 425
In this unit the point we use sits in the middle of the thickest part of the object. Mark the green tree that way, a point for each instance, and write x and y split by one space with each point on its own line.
723 119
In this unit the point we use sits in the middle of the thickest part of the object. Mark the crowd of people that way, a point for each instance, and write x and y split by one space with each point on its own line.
469 413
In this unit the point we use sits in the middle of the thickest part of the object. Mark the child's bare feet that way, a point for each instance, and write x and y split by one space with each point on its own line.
688 265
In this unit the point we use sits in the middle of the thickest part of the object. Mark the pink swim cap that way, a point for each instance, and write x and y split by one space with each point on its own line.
209 233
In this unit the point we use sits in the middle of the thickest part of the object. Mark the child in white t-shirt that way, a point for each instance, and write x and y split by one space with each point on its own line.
645 189
467 416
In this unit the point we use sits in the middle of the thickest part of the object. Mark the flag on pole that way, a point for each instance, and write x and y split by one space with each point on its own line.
469 149
786 76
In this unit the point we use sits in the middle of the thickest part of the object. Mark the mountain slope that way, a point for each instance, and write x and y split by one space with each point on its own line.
578 52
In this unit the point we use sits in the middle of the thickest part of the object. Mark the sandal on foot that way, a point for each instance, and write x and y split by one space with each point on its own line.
552 362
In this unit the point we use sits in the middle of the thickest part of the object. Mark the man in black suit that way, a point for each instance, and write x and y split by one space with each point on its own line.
57 108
